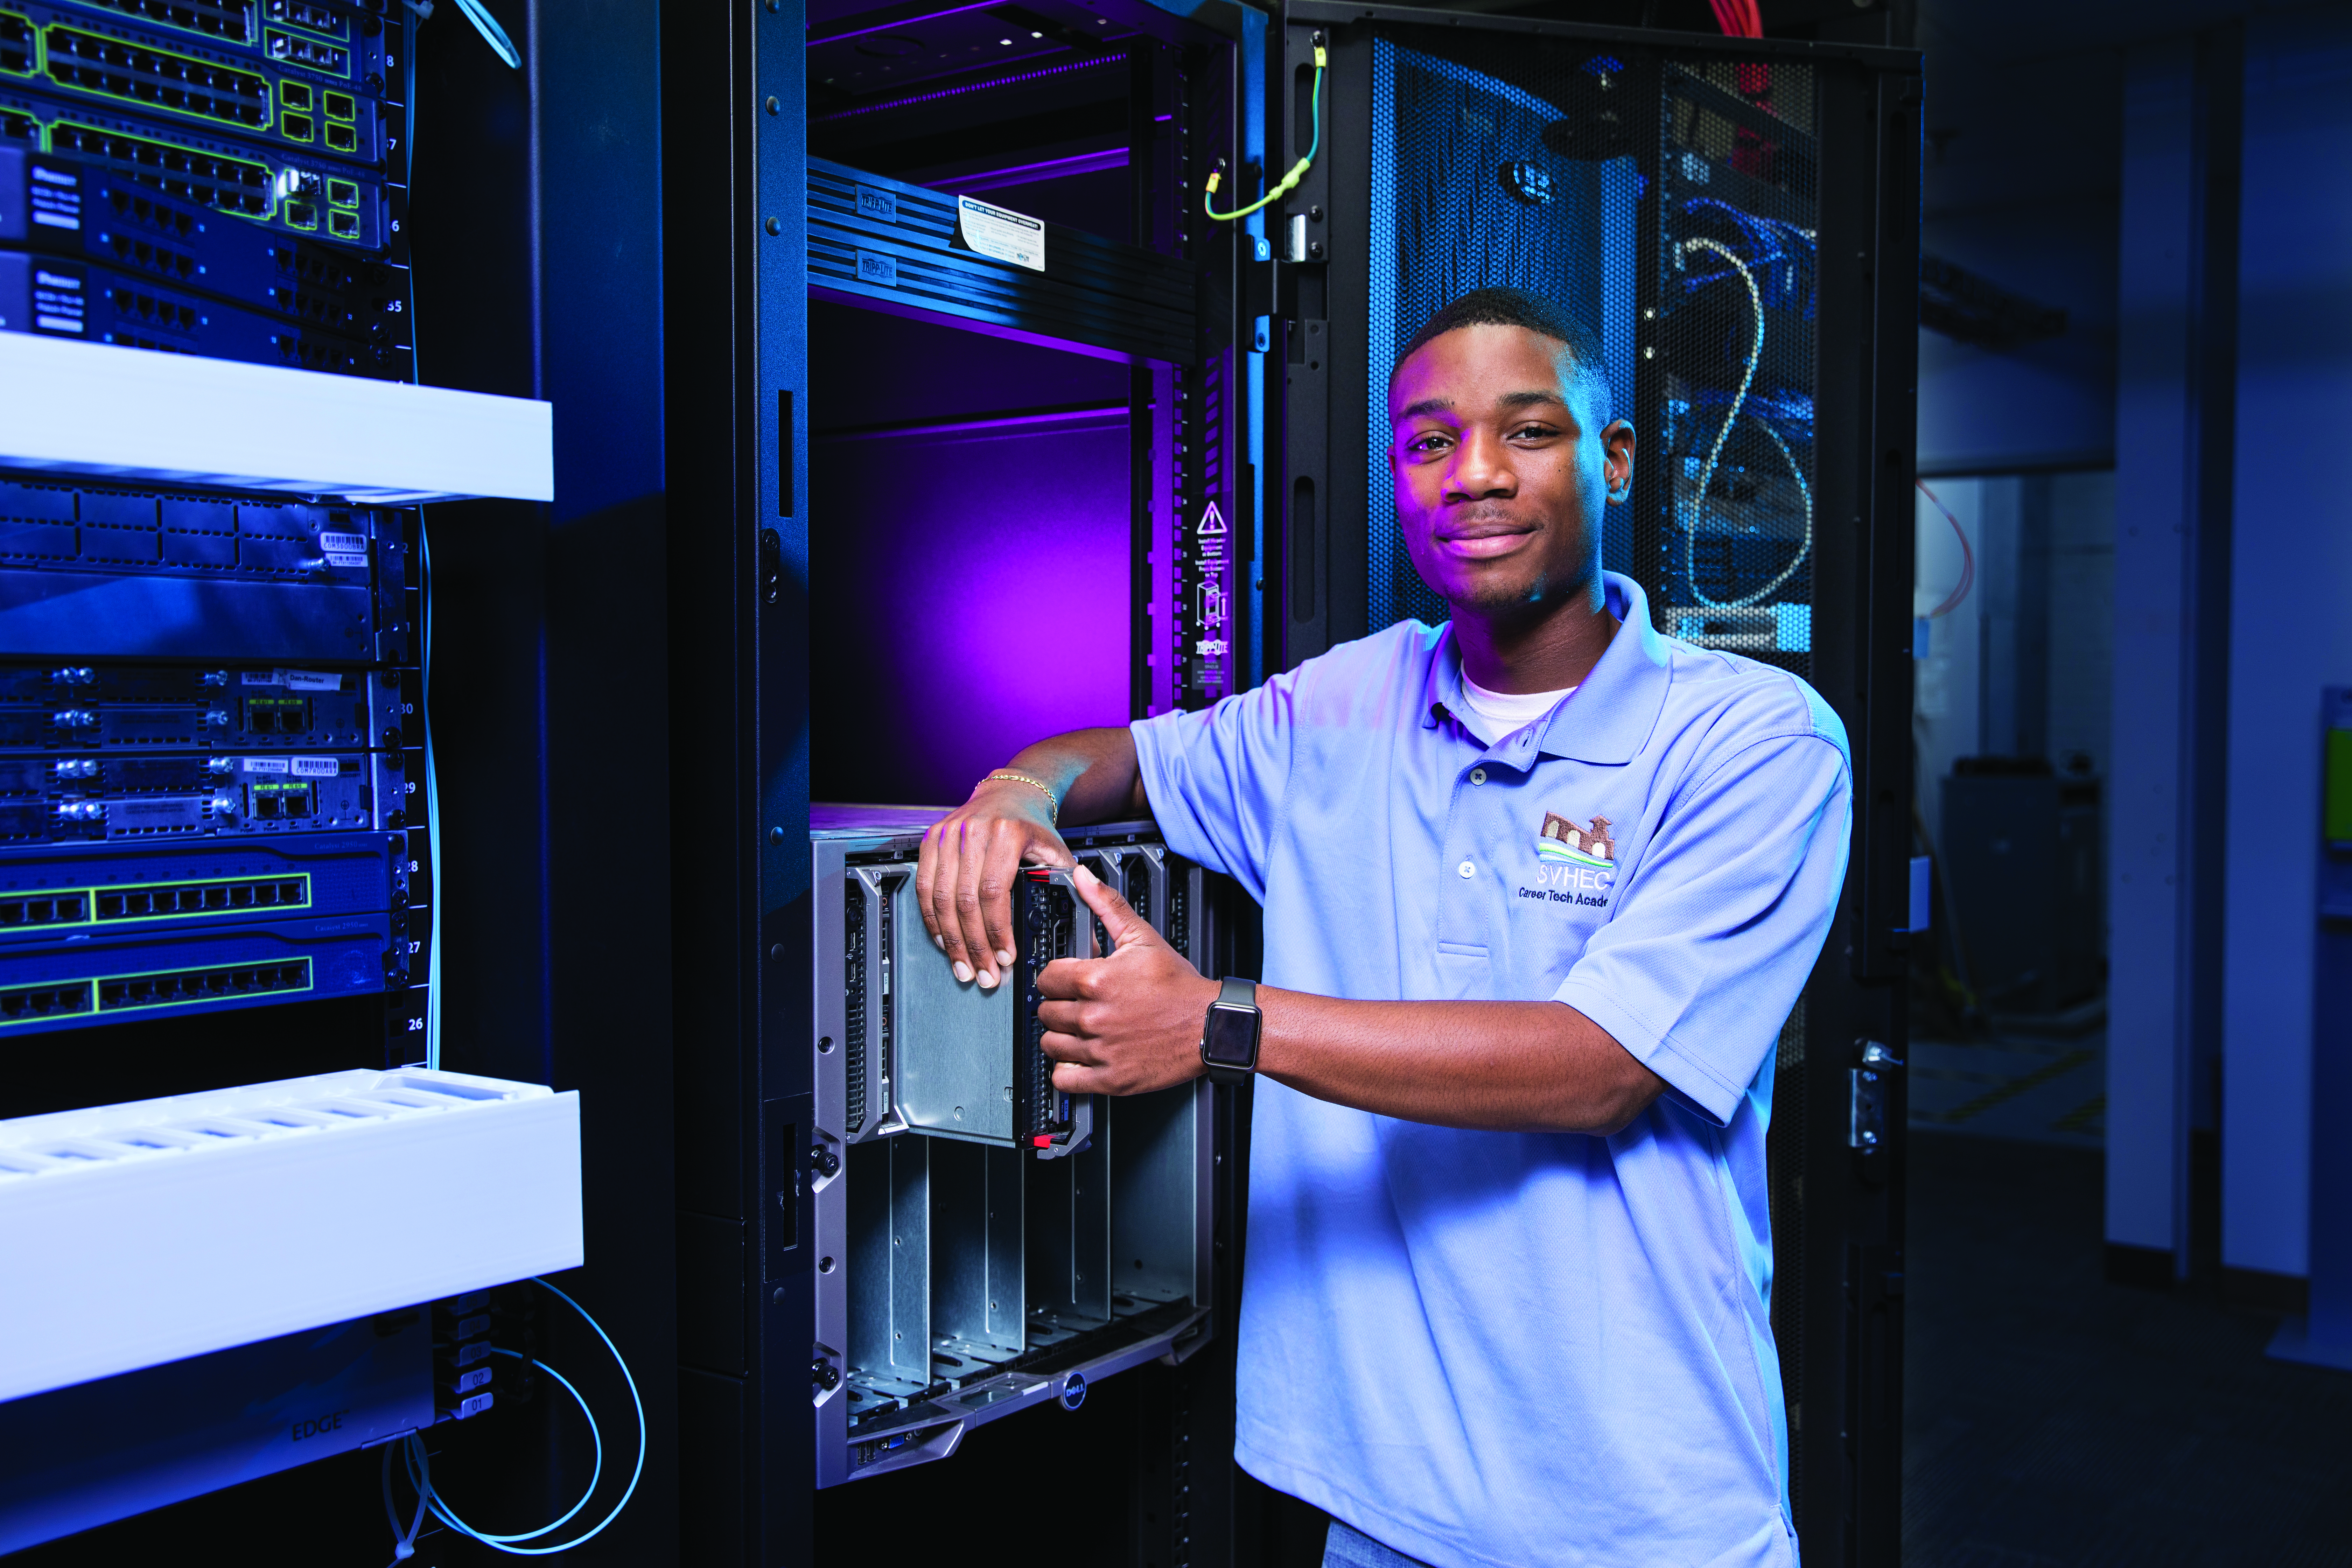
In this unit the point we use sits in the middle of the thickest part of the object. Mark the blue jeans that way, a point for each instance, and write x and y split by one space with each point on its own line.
1347 1548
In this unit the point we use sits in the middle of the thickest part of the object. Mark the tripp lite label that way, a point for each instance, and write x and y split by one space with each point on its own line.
1004 234
261 764
56 198
873 267
311 680
875 203
315 767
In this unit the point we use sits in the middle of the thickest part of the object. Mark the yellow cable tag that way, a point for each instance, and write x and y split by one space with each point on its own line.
1318 57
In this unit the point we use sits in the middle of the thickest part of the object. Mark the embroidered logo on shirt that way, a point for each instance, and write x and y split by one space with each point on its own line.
1563 842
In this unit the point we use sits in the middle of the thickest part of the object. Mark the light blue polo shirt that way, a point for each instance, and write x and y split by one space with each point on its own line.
1519 1347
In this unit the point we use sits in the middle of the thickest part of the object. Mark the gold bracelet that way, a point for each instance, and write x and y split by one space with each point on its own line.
1053 801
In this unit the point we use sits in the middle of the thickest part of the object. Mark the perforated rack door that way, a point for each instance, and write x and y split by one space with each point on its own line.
1676 201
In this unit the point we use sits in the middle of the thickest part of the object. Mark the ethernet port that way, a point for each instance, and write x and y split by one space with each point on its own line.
302 215
294 94
342 138
294 127
343 226
341 106
343 194
265 805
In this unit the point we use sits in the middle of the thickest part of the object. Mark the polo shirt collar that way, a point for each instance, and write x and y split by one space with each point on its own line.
1616 705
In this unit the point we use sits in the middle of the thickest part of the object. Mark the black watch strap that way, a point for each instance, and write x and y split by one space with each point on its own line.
1230 1033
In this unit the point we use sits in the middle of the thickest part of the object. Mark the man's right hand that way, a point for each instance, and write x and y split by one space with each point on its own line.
964 883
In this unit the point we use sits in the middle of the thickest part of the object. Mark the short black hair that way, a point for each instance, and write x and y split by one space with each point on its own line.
1517 308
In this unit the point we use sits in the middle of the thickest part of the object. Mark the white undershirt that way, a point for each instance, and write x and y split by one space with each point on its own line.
1495 714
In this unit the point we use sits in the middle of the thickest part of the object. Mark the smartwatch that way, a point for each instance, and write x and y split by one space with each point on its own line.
1229 1036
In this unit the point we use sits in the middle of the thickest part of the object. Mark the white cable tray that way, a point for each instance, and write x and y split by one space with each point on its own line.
138 1233
150 417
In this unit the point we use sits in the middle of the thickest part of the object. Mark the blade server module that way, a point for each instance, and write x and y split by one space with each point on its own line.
986 1243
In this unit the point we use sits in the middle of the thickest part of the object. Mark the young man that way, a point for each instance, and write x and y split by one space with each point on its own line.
1540 886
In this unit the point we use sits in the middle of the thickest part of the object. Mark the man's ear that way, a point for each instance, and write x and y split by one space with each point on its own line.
1617 442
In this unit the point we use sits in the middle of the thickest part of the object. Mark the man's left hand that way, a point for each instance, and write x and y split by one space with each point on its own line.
1126 1023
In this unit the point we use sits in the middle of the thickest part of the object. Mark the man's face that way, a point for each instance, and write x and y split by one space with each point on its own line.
1500 480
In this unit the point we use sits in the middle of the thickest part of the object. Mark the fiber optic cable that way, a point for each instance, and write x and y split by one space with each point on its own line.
419 1464
484 23
1297 171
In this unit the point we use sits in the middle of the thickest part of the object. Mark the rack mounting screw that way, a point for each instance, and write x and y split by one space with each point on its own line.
775 225
772 104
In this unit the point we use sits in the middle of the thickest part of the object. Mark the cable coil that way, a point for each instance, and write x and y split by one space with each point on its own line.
418 1463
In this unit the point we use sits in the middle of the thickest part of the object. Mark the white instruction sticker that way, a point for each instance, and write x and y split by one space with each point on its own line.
315 767
313 680
261 766
1006 236
337 558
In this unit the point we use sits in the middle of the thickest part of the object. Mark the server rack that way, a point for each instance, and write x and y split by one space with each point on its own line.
1745 215
824 527
284 210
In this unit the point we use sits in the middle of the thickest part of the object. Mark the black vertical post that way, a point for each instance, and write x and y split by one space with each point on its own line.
2216 139
735 123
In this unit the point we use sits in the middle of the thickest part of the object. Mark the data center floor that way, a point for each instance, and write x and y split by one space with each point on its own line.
2055 1419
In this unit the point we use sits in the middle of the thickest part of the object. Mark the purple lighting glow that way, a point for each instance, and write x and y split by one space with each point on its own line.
971 592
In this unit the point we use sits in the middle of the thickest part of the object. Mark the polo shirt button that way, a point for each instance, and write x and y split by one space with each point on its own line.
1467 869
1478 775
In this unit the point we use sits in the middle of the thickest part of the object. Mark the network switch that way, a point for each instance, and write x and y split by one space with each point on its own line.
283 85
92 572
204 970
85 303
281 188
67 895
57 206
71 711
116 799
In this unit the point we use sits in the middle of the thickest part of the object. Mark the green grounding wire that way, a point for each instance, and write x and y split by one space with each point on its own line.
1297 171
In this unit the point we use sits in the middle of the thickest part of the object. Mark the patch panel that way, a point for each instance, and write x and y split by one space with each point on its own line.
258 964
45 802
52 297
73 710
63 209
88 572
276 187
69 894
98 55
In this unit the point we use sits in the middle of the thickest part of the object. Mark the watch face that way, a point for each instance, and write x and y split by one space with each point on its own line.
1231 1039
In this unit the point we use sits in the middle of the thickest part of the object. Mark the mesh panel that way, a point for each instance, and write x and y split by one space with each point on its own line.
1674 201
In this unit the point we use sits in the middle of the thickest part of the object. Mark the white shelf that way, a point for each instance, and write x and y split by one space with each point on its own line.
136 1235
158 418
